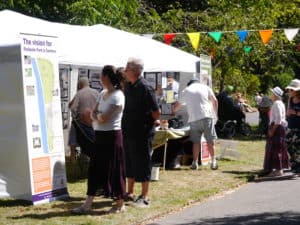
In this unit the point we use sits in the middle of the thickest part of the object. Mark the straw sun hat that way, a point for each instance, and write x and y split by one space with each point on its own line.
294 85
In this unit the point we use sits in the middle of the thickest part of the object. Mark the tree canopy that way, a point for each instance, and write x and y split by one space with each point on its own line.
258 69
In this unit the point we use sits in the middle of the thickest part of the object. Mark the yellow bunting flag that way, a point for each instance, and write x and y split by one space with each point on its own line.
265 35
194 38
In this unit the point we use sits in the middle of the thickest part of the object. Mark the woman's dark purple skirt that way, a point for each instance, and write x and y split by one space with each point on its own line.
107 165
276 155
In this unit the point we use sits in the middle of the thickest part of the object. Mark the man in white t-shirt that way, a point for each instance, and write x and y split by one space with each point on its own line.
202 108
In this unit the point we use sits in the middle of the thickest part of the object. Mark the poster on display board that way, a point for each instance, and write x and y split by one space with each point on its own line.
42 103
204 68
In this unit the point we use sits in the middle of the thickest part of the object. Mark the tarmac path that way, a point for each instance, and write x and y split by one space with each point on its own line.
265 202
273 202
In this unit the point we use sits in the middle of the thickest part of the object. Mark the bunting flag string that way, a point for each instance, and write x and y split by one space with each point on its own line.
194 37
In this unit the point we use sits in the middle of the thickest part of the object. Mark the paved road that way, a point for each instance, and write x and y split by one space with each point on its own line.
273 202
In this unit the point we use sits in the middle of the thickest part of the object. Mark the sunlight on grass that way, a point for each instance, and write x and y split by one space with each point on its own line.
175 190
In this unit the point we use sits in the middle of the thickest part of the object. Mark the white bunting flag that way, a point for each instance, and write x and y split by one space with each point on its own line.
290 33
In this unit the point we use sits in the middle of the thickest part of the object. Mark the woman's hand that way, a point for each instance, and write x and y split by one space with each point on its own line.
291 112
270 133
100 118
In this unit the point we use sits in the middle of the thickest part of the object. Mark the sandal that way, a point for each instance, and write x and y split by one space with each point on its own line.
81 210
117 209
276 173
129 198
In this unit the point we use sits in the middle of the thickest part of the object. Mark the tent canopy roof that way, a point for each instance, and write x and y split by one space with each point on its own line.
97 45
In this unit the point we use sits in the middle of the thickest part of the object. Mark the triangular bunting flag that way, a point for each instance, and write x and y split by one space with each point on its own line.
247 49
290 33
265 35
230 50
242 35
215 35
168 38
150 36
212 53
194 38
298 47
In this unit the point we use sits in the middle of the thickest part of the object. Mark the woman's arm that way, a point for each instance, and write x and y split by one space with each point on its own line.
94 112
106 116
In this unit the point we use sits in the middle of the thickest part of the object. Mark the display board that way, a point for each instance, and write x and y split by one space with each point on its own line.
69 86
204 69
166 86
64 75
40 149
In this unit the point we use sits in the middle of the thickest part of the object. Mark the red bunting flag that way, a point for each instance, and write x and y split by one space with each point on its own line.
168 38
212 53
298 47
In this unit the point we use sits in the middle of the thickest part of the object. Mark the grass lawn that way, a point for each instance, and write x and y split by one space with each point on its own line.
175 189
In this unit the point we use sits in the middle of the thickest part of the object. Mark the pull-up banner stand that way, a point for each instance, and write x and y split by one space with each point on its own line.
32 162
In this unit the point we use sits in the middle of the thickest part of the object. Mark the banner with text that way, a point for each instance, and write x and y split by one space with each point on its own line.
43 118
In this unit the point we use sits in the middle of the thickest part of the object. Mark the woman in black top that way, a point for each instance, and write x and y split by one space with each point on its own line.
293 118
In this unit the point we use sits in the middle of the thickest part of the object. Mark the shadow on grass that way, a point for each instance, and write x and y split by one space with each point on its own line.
248 175
98 210
260 176
18 202
286 218
14 202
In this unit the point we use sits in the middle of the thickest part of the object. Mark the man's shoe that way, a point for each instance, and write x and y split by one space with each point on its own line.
142 202
214 164
194 165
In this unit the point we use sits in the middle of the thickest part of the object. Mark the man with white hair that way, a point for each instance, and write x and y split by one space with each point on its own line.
139 116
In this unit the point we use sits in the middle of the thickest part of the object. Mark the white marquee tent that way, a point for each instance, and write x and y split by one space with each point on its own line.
97 45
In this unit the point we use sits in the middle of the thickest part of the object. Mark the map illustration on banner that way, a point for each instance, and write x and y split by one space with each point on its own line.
43 118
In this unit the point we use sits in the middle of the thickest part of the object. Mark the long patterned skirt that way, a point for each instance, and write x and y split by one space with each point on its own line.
276 155
293 146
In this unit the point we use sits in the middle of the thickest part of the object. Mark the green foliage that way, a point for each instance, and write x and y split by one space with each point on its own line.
265 66
110 12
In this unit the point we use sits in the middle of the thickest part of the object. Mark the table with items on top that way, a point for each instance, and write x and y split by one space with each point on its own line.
162 136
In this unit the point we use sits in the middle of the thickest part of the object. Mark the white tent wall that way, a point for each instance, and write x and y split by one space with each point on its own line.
14 151
97 45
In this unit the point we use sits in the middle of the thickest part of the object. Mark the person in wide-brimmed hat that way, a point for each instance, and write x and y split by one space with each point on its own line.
293 117
276 156
294 85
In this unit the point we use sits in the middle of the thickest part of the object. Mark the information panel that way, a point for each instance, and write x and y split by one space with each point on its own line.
43 117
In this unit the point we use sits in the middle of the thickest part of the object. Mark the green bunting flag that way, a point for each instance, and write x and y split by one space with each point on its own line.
247 49
215 35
